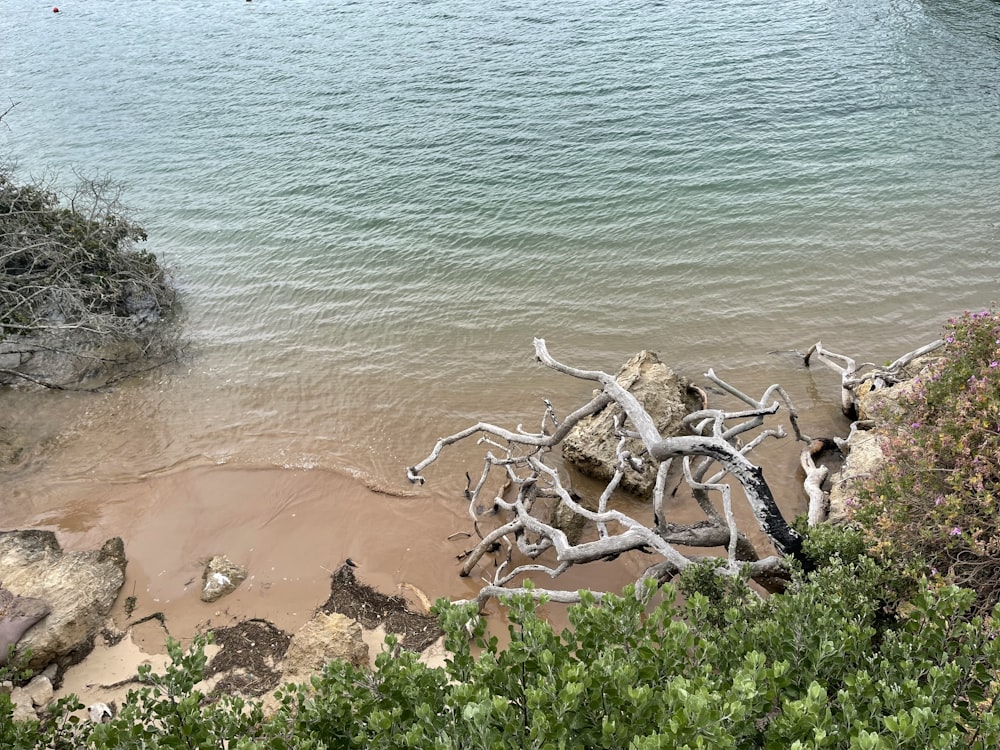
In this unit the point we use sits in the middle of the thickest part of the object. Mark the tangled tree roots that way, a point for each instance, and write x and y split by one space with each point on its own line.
80 304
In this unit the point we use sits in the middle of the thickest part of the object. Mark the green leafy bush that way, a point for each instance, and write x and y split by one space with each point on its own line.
832 663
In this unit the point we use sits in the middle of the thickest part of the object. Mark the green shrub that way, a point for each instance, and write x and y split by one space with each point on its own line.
933 505
821 666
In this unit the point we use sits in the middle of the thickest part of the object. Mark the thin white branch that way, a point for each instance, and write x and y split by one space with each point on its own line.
552 595
658 489
727 509
847 370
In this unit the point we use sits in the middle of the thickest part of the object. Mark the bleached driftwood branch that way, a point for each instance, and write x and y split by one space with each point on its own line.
853 375
714 458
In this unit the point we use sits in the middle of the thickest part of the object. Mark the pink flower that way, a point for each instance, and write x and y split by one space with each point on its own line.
955 531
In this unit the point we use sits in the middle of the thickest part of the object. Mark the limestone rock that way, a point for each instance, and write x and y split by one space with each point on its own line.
78 587
24 707
591 446
570 523
39 690
864 455
325 638
221 577
876 403
17 615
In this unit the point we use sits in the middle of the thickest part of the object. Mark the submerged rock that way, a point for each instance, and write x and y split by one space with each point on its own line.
222 576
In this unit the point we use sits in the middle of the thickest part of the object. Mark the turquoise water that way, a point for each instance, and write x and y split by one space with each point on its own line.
372 207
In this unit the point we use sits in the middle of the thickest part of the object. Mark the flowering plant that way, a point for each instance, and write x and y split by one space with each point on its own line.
933 503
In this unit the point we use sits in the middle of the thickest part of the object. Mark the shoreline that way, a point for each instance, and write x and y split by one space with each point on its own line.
291 528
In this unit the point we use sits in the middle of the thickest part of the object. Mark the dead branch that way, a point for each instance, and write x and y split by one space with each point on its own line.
853 375
715 464
815 475
80 303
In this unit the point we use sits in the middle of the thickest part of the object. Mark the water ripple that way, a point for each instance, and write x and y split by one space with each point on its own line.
374 206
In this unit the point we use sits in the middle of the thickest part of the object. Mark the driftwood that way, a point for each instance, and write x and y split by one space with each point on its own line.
714 460
853 375
714 463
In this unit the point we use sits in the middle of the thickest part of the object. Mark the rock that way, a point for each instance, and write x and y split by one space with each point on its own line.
78 587
11 448
323 639
865 457
221 577
591 446
17 615
40 690
864 454
24 708
569 522
875 403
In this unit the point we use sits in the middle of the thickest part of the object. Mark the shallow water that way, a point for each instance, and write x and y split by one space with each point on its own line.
373 207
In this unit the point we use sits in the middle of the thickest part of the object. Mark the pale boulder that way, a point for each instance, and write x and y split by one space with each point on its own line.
591 445
222 576
78 587
325 638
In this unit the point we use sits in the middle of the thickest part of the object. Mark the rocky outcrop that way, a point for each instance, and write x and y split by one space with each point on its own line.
592 445
864 457
79 589
221 577
864 453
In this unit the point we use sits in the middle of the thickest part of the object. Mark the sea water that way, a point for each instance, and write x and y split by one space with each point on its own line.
373 207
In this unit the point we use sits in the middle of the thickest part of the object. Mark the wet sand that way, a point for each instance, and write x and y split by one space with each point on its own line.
289 528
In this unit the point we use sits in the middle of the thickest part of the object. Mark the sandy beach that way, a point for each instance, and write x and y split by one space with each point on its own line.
289 528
